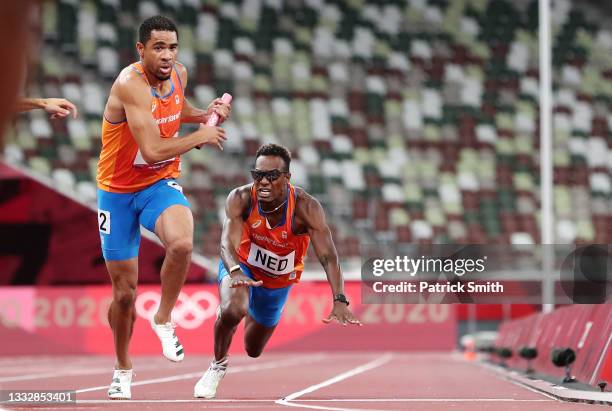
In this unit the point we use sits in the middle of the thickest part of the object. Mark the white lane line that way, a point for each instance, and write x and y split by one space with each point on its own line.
420 400
48 362
68 373
193 400
28 377
506 378
601 358
348 374
238 369
79 371
330 400
82 368
320 407
532 389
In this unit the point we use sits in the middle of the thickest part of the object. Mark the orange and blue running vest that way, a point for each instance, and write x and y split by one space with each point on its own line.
121 168
274 255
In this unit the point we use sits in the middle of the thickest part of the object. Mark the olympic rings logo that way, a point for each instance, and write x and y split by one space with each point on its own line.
190 312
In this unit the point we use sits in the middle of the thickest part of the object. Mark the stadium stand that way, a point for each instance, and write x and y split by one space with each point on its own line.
412 121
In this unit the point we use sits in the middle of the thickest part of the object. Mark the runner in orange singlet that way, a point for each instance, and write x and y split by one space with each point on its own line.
268 227
139 161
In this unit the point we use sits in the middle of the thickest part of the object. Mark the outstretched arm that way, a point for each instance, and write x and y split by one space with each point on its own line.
321 238
235 207
56 107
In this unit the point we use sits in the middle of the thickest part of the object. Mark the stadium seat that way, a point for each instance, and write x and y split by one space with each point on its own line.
417 120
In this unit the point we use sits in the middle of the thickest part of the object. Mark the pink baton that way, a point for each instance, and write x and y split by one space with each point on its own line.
214 117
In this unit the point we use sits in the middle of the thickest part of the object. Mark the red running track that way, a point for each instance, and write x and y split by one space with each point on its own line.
320 381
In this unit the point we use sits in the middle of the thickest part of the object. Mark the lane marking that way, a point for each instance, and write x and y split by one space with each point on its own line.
237 369
357 400
503 377
83 371
420 400
320 407
78 371
67 373
343 376
601 359
193 400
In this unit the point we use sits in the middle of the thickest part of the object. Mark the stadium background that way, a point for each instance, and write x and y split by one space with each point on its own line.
413 122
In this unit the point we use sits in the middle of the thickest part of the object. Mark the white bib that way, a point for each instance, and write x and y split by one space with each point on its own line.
270 262
139 161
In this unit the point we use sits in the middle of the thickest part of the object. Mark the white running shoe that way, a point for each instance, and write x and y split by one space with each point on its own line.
120 388
206 387
171 346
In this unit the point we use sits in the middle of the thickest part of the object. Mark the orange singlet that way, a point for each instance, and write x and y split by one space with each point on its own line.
121 168
274 255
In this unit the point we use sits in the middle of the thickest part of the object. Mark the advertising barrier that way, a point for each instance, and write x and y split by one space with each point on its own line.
586 329
65 320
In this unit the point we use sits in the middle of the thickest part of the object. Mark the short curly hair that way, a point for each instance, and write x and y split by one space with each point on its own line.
275 150
159 23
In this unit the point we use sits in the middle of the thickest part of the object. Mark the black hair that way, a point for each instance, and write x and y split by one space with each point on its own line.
159 23
275 150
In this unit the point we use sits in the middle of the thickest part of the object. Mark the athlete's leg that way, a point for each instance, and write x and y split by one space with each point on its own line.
256 336
234 307
174 227
262 308
122 313
265 309
165 211
120 240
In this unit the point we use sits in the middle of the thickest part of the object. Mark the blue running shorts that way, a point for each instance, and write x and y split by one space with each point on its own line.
265 304
120 216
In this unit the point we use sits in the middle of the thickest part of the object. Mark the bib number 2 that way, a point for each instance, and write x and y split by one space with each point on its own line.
104 221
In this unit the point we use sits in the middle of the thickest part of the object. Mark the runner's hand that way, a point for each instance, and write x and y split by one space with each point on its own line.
58 107
222 109
342 314
241 280
211 135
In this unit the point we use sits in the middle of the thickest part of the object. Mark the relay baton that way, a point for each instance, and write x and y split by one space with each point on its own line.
214 117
